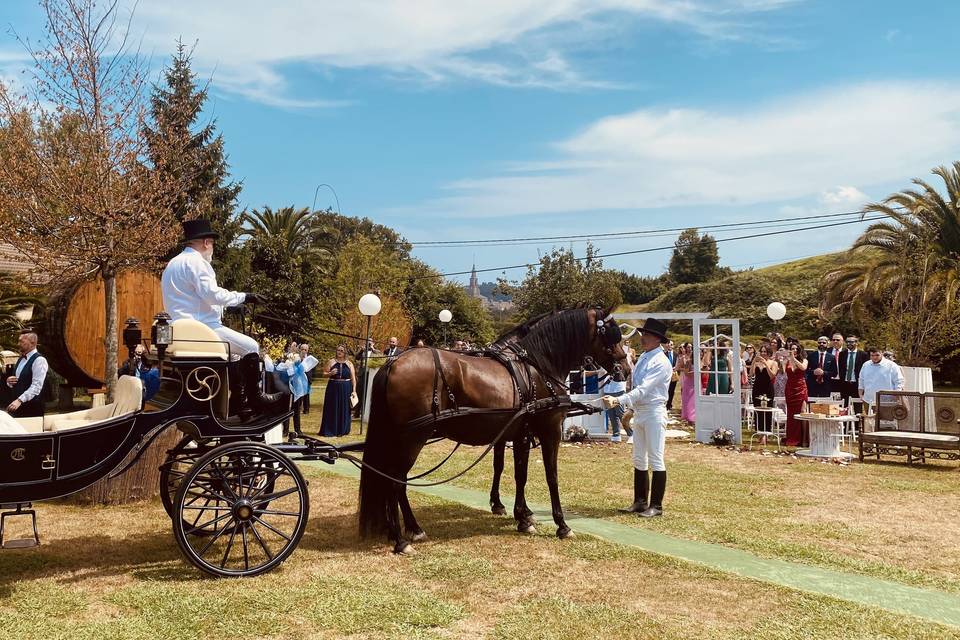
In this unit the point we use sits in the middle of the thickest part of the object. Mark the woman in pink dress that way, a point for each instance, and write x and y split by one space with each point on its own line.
688 385
796 393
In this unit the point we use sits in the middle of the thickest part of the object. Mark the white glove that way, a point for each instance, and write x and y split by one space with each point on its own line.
609 402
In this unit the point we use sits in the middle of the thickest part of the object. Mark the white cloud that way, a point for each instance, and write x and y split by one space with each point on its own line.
504 42
798 147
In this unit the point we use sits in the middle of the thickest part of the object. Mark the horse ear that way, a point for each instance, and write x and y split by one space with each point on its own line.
607 312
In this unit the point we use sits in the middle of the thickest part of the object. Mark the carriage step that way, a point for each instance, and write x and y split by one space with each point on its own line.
19 543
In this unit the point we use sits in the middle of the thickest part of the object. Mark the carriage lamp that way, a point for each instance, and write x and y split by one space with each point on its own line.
131 335
161 333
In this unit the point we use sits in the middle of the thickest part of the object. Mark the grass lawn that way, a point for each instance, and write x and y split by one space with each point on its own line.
116 572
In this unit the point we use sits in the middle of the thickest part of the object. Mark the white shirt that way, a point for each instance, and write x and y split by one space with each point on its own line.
190 290
651 380
879 376
39 369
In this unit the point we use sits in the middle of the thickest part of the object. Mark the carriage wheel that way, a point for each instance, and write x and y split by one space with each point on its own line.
240 510
179 460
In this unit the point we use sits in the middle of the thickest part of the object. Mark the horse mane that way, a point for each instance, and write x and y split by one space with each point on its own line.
557 341
520 331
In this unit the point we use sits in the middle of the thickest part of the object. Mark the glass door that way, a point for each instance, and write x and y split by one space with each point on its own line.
716 347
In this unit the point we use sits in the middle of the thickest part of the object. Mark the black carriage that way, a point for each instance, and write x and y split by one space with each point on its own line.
238 505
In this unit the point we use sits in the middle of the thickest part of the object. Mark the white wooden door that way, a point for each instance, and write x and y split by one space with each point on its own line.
716 347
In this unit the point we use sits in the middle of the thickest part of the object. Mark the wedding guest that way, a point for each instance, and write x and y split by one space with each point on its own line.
392 350
836 346
780 355
878 374
796 393
342 383
616 386
763 370
718 382
688 383
25 386
746 359
822 369
305 400
672 357
851 361
139 366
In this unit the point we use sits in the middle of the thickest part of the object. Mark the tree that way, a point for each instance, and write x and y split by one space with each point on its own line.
563 281
694 259
14 299
77 191
297 231
175 108
907 269
640 289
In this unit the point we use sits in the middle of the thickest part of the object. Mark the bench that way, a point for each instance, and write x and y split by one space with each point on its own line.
916 425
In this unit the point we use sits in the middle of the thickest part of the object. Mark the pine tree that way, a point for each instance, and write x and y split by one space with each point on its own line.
176 107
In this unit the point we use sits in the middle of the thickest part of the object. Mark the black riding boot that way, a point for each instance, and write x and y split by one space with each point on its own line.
260 401
640 486
238 400
656 495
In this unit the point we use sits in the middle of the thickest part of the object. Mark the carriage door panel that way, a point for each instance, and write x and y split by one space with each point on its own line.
88 447
26 460
716 345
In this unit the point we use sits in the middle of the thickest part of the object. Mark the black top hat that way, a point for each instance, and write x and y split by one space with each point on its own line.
656 328
197 230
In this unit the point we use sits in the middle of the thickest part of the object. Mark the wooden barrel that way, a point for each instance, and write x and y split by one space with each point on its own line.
72 331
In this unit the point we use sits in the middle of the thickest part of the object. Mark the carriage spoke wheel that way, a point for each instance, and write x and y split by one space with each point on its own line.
240 510
179 460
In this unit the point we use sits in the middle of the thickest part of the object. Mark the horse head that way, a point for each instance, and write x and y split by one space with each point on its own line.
606 347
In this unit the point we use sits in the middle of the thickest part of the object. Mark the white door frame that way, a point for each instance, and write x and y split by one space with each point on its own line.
717 410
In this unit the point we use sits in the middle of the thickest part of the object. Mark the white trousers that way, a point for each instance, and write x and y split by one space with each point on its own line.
240 345
649 437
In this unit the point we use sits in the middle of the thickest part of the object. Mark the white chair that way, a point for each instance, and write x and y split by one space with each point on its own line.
773 429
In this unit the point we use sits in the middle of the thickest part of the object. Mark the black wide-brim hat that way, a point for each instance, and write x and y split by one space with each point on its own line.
198 230
656 328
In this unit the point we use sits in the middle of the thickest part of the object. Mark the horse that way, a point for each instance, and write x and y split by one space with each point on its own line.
426 393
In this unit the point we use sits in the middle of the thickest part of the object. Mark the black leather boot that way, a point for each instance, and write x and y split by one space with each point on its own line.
641 483
238 399
261 402
656 495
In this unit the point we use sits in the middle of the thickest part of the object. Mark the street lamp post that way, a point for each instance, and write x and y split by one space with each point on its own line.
445 317
369 306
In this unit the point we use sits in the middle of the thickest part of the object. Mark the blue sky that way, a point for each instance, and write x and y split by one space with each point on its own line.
473 120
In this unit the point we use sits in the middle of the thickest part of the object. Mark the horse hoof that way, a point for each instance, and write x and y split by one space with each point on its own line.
498 510
419 536
565 533
527 528
404 549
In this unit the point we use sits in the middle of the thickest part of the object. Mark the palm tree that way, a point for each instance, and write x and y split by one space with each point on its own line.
12 303
908 266
298 230
915 252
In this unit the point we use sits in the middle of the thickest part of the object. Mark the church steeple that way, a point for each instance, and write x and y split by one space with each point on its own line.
473 289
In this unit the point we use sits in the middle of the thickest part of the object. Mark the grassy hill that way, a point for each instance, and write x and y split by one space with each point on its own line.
746 294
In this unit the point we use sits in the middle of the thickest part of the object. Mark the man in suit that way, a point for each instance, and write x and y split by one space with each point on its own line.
672 357
836 346
821 369
392 350
26 385
851 361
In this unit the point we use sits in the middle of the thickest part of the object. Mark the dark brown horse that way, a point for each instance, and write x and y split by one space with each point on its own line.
412 389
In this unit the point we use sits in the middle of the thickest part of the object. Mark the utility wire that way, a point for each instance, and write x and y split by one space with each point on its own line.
652 249
627 234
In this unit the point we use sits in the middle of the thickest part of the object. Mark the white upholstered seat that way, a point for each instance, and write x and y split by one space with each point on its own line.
193 339
128 398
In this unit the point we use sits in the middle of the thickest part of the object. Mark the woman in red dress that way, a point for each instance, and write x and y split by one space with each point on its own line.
796 393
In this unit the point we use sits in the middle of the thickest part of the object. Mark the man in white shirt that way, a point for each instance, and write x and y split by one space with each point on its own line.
27 382
190 290
648 399
879 374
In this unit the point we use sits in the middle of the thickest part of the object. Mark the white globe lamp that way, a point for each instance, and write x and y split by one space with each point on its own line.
370 304
776 311
445 316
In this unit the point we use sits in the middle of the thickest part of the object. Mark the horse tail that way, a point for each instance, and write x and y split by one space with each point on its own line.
375 490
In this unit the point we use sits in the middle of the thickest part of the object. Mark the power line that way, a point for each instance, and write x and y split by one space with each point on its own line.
652 249
627 234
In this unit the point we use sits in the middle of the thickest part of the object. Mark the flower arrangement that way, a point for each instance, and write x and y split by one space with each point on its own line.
763 401
293 358
722 437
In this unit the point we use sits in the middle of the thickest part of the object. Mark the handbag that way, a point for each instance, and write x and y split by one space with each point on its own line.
354 399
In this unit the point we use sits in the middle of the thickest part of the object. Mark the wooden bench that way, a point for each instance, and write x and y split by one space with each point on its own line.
916 425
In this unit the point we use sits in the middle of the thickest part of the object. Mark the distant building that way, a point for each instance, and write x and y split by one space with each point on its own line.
473 290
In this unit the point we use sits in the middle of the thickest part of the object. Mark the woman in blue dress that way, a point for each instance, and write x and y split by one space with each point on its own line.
342 381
